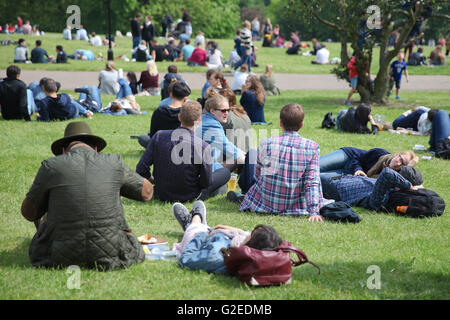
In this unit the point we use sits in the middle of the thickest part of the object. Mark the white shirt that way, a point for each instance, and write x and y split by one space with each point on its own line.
423 125
96 41
216 58
239 80
322 56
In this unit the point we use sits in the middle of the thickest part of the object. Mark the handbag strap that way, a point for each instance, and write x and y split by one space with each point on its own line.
302 258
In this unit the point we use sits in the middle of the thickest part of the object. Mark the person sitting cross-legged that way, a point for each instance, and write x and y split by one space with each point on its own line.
75 203
181 161
287 175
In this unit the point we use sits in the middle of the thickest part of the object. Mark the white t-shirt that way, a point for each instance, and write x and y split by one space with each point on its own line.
216 58
423 125
96 41
239 80
322 56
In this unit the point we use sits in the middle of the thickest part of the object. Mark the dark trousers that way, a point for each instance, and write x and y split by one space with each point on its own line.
219 178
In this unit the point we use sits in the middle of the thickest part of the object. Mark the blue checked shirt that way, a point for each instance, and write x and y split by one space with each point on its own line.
287 177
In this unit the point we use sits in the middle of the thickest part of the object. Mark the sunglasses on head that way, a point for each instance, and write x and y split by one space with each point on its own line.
223 110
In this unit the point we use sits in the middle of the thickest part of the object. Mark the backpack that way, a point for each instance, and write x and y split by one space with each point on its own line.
415 203
141 55
443 149
263 267
328 121
339 211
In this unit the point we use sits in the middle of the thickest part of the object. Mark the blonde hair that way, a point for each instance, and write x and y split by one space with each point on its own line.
269 71
414 158
152 68
215 102
110 66
246 24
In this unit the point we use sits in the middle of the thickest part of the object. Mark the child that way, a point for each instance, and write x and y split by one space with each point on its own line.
201 246
396 71
353 75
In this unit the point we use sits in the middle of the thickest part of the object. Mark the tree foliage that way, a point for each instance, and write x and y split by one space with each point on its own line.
215 18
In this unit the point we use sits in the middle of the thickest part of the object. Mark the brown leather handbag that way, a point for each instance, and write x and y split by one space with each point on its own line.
261 267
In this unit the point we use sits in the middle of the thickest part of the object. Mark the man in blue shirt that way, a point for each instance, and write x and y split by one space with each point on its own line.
371 193
186 50
396 71
38 54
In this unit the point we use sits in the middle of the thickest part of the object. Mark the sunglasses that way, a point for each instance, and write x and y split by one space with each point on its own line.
223 110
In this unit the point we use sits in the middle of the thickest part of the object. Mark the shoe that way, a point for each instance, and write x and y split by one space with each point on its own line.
199 209
397 97
389 93
235 197
181 213
347 103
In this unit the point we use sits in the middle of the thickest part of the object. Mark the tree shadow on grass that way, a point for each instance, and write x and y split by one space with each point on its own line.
353 280
17 257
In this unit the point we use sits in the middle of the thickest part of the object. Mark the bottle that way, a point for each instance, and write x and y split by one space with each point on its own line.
154 254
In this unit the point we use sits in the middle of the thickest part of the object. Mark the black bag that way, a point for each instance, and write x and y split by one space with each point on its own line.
415 203
443 149
339 211
328 121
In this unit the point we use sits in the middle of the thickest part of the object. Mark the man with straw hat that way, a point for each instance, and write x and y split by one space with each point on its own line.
75 204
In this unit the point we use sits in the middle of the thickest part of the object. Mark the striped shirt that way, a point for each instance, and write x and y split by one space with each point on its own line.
287 177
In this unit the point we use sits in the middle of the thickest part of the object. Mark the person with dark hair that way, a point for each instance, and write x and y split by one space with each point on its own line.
58 106
186 51
418 119
287 174
417 58
38 54
148 31
136 30
214 55
61 56
371 193
169 164
171 76
14 97
201 247
133 82
165 117
354 120
73 226
165 24
21 52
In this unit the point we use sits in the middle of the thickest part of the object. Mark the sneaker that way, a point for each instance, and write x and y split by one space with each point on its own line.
397 97
347 103
181 213
199 209
235 197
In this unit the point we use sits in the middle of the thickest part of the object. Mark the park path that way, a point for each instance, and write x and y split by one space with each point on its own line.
285 81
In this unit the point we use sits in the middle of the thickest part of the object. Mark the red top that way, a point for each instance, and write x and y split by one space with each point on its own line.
353 72
148 81
198 56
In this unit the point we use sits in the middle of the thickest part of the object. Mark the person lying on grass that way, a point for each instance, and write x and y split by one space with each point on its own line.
201 246
371 193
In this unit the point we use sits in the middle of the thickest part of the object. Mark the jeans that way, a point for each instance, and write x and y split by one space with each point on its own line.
124 90
329 188
334 164
81 110
38 93
136 41
95 93
440 128
246 59
30 102
339 115
247 177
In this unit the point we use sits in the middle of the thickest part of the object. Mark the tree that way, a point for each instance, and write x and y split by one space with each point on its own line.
366 24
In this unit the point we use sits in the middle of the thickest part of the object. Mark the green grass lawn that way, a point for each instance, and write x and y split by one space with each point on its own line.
412 254
282 62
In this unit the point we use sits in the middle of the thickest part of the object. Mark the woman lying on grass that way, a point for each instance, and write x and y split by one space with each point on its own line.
201 246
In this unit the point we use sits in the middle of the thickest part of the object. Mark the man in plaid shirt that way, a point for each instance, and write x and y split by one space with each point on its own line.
287 175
